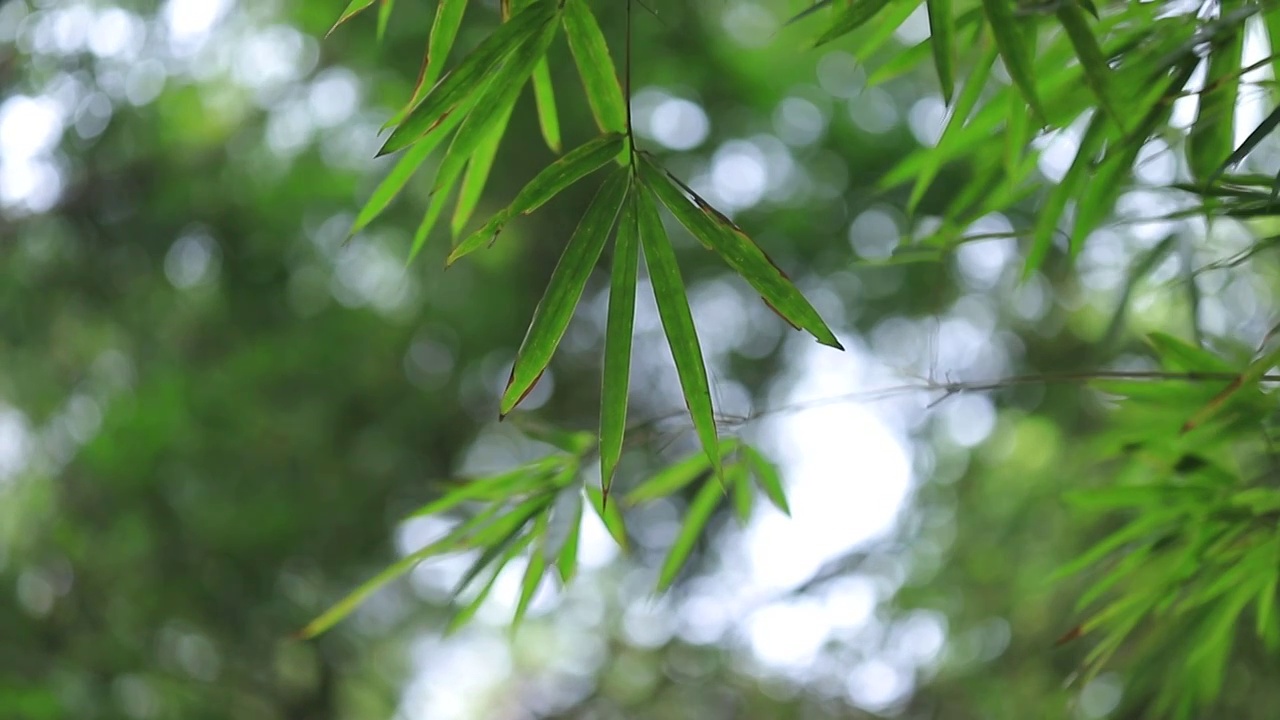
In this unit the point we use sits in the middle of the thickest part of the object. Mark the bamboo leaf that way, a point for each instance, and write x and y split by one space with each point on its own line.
676 476
384 15
1012 41
468 611
353 8
677 322
1096 70
533 572
768 478
740 253
552 315
545 98
477 174
572 167
595 65
617 342
942 34
1069 187
444 30
495 487
739 480
1178 355
609 515
1260 133
459 88
850 19
700 511
393 183
567 556
1212 137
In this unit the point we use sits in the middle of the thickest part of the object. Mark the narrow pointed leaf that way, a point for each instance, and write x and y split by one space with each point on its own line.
1069 187
595 65
1096 70
444 30
393 183
850 19
1012 40
477 175
551 317
1260 133
676 476
815 7
1212 137
468 611
741 254
384 15
700 511
609 515
545 98
353 8
677 322
767 476
739 480
495 487
501 534
567 556
617 341
884 29
460 86
533 572
572 167
942 32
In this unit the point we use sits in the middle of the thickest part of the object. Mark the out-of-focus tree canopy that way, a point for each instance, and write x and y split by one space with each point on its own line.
237 382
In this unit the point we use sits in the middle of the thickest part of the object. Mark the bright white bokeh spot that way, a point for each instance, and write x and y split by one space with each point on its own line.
1101 696
875 233
968 419
840 74
191 260
15 443
799 122
334 97
738 174
874 111
190 21
29 126
877 685
788 634
679 124
927 119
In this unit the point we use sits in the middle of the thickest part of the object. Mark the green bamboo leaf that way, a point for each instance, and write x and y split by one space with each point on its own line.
353 8
545 98
815 7
676 476
595 65
468 611
567 556
1178 355
769 479
1141 267
1071 186
444 30
1096 70
1012 41
677 321
739 252
384 15
888 23
1265 615
478 128
942 33
564 289
459 87
617 342
609 515
461 537
850 19
1271 18
739 480
477 175
968 99
1145 526
499 535
496 487
1265 128
1212 137
902 62
700 511
572 167
393 183
533 572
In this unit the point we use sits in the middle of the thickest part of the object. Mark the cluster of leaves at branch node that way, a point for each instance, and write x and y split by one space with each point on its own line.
1192 512
535 512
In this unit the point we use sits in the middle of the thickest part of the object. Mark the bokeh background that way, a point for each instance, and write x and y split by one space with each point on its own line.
214 414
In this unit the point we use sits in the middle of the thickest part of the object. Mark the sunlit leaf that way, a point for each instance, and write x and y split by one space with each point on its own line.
676 476
572 167
1212 137
394 182
609 515
1096 70
595 65
739 481
464 614
353 8
700 511
496 487
1012 38
942 36
1178 355
617 341
1068 188
677 322
567 555
533 572
551 316
545 98
459 87
851 18
766 474
384 16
